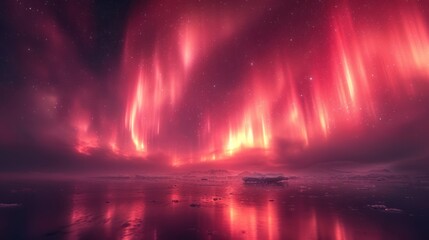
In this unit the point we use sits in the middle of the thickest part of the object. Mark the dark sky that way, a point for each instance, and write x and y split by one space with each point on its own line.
237 84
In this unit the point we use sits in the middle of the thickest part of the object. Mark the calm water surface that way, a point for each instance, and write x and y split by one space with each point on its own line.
185 209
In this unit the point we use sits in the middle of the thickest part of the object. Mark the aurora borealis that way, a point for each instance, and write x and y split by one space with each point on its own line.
295 83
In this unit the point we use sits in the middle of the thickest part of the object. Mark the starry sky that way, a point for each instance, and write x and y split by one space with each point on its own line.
238 84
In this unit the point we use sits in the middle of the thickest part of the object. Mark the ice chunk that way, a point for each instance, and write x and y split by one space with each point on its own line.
9 205
377 206
393 210
384 208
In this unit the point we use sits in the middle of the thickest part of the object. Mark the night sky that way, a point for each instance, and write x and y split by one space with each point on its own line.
147 85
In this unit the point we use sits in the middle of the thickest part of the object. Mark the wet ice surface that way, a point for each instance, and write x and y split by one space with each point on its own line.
195 207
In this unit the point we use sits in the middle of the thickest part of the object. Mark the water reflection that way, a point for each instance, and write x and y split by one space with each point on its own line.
182 210
255 221
78 217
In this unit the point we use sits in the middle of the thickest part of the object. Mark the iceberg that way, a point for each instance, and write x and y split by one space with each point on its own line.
264 178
